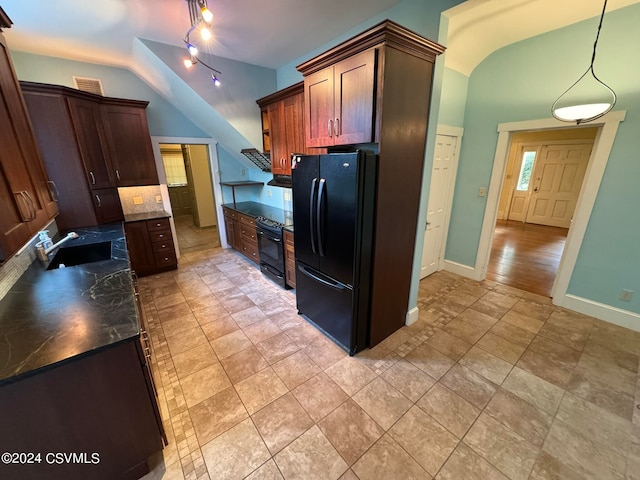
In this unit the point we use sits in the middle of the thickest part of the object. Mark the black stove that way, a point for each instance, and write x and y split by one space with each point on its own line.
271 249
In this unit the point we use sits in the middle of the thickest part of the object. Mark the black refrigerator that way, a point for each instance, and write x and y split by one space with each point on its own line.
333 217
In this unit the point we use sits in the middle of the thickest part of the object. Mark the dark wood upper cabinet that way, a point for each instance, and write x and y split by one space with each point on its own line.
27 200
90 137
283 126
129 144
340 102
90 146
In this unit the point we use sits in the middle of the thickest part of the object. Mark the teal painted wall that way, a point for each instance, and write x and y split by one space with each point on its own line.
520 82
453 98
163 118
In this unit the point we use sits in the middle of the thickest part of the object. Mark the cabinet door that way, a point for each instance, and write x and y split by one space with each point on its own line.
294 122
130 145
354 99
54 134
141 253
278 134
233 237
319 105
107 205
23 167
87 125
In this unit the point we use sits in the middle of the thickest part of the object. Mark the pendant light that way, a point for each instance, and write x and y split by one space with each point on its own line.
574 104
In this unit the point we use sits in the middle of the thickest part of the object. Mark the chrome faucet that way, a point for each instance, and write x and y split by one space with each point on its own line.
44 252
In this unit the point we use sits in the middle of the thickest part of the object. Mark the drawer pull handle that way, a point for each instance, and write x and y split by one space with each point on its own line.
160 236
158 224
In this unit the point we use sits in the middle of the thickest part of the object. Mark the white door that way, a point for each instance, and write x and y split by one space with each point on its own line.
557 179
523 186
439 193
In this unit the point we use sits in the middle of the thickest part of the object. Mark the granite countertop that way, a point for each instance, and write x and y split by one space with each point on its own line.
137 217
52 316
255 209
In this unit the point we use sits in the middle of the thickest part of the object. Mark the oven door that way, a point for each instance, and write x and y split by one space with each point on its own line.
271 249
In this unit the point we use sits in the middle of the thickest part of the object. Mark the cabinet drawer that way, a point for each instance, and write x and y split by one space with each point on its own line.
248 234
230 213
158 224
247 220
166 259
160 235
159 247
250 250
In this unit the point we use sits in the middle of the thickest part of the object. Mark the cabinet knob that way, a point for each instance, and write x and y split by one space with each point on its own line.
160 236
158 224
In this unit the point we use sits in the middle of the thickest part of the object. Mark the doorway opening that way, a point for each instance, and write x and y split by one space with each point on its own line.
190 186
543 178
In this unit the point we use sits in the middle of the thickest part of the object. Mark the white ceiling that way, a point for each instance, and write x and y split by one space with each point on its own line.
270 33
477 28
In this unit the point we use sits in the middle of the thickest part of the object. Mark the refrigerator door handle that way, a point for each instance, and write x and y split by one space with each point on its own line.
307 271
312 200
319 222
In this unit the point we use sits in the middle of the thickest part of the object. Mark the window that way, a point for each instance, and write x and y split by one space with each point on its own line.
525 171
174 167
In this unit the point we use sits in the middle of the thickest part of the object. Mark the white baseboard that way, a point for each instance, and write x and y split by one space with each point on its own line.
412 316
460 269
617 316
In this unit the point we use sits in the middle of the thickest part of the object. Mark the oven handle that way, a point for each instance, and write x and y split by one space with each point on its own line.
271 270
273 239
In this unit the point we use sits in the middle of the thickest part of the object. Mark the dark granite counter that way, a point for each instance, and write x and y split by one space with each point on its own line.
137 217
255 209
52 316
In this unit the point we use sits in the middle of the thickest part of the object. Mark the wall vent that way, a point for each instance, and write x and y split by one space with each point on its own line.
90 85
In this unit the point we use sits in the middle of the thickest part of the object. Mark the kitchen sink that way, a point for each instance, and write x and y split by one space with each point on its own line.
81 254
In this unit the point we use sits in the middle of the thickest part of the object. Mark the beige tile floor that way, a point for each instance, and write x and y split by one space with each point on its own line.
490 383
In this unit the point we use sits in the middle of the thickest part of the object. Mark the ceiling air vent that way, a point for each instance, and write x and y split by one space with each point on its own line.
90 85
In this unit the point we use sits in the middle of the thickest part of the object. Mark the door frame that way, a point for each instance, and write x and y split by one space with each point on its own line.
215 171
602 145
457 133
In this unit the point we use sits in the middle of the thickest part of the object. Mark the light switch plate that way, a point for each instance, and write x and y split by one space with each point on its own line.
137 201
158 198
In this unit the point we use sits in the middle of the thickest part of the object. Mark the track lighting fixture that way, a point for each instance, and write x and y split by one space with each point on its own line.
201 18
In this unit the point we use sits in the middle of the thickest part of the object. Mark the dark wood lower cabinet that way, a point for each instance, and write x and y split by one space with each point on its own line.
98 410
241 233
150 246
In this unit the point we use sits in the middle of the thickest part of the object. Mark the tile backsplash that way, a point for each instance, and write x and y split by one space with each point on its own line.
147 195
15 266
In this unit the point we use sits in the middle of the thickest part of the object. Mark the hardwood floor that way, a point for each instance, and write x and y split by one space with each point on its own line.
526 256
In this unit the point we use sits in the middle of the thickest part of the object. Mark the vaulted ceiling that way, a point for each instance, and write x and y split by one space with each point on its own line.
271 33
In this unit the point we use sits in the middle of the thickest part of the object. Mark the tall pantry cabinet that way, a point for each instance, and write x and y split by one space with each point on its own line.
373 92
27 198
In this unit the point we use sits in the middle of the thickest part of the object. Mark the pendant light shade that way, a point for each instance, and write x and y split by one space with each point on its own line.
589 98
